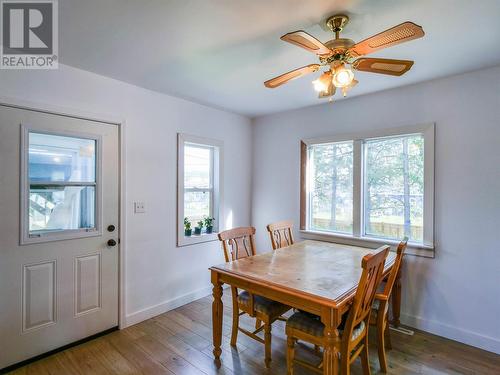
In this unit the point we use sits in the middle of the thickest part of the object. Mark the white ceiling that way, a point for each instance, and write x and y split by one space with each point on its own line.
219 52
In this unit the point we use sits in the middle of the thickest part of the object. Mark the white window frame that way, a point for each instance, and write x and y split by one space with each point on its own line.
216 188
426 248
66 234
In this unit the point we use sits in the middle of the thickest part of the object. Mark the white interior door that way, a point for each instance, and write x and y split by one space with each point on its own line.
59 202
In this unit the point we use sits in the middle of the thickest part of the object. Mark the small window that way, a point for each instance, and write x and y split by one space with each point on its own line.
198 182
199 193
60 187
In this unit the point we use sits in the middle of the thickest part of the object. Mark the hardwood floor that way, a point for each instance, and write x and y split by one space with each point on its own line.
179 342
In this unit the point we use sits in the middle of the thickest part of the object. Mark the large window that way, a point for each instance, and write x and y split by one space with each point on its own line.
199 188
330 200
375 187
59 186
394 187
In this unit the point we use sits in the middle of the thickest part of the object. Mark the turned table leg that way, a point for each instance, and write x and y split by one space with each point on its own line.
217 314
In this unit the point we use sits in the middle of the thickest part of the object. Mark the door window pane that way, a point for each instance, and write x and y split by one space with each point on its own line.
197 166
55 158
62 184
394 187
331 184
61 208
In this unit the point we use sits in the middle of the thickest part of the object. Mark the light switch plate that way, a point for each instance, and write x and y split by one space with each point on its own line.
139 207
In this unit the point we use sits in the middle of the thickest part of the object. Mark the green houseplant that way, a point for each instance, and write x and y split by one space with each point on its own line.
187 227
209 224
197 230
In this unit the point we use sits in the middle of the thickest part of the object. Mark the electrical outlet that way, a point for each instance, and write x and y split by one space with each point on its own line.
139 207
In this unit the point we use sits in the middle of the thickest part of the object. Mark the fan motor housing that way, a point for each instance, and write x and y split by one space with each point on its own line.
340 45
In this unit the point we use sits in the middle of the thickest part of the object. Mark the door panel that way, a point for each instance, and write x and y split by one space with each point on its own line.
39 295
55 292
87 283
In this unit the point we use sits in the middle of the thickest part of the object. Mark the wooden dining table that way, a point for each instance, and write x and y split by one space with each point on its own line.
314 276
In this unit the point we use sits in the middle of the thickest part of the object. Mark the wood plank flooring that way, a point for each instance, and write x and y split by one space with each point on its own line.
179 342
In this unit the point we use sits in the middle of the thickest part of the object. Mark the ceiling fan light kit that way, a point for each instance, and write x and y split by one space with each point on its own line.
340 53
342 77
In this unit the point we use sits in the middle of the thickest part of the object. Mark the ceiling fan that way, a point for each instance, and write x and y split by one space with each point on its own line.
338 53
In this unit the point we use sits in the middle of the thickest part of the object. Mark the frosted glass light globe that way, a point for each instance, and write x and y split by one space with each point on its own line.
319 86
342 77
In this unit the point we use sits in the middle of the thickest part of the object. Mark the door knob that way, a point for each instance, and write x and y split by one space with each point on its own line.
111 243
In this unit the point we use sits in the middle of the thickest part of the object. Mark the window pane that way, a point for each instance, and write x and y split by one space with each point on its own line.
197 166
61 208
196 206
331 187
55 158
394 187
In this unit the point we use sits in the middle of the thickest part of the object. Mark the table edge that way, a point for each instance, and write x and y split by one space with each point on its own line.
292 291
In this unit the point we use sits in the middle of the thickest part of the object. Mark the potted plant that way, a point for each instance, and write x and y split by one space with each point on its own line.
209 224
187 227
197 230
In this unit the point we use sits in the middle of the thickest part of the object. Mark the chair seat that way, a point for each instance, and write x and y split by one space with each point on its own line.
311 324
263 305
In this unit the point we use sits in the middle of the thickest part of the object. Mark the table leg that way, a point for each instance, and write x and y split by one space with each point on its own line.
217 314
396 300
331 343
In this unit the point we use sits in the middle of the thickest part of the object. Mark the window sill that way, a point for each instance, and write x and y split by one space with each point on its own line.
415 249
195 239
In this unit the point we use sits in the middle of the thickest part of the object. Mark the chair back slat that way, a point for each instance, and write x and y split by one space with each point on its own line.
396 267
238 243
373 267
281 234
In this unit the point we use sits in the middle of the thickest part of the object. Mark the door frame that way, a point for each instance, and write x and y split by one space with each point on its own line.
112 120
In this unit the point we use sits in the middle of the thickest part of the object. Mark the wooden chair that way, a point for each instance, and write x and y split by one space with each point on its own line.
281 234
379 316
354 327
239 243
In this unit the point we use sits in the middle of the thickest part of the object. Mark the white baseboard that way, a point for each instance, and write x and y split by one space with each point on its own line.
488 343
152 311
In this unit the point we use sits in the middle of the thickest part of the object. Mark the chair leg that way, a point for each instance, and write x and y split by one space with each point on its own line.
387 333
381 332
234 329
290 354
364 357
267 342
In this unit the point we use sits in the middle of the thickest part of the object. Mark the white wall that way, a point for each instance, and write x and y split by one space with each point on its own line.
158 274
457 294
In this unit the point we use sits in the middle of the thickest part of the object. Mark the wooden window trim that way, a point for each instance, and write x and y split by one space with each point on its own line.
303 183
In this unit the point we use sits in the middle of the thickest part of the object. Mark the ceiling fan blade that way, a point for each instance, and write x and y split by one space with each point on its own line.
383 66
302 39
284 78
398 34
